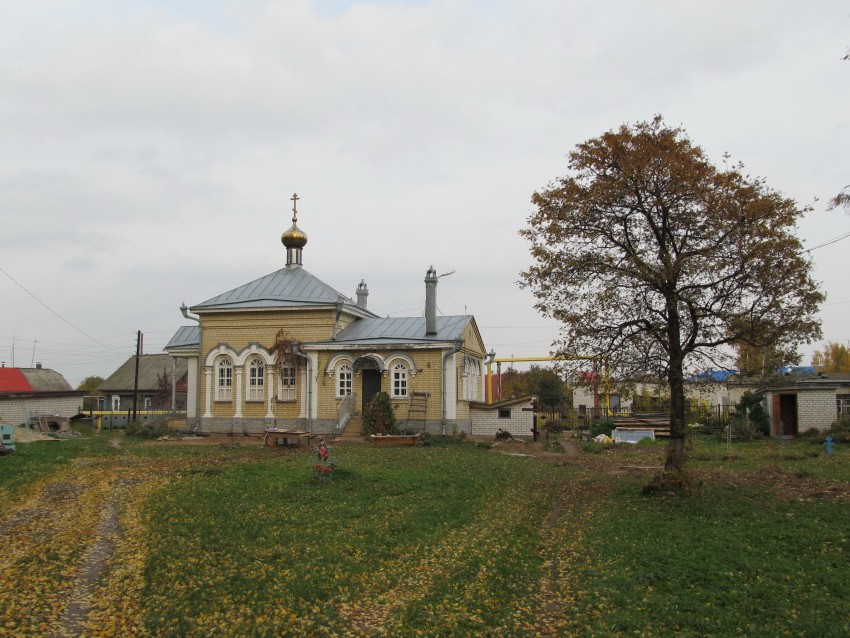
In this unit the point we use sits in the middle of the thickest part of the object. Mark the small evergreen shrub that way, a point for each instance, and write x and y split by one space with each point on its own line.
379 416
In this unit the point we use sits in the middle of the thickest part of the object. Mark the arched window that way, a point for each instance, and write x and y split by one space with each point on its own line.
399 380
256 379
224 380
471 378
286 383
344 376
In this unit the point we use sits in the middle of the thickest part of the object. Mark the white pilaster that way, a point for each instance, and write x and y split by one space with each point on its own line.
238 413
192 406
270 391
451 387
208 394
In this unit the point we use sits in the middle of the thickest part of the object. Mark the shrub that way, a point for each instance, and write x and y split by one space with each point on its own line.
744 429
503 435
605 426
152 430
749 419
840 431
379 416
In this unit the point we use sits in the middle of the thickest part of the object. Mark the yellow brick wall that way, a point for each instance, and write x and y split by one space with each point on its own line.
428 379
473 347
238 330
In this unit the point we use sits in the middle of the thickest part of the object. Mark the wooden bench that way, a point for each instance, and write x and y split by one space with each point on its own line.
293 438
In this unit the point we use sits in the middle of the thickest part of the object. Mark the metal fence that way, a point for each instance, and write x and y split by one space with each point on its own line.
711 417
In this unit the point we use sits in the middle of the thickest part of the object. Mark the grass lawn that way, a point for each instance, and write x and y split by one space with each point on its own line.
109 536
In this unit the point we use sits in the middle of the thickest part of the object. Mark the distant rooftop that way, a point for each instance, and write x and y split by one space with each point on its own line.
186 337
32 380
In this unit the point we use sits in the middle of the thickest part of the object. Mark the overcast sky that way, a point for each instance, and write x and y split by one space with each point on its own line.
148 150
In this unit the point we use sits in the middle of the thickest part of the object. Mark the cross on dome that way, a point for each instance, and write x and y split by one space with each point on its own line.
294 199
294 238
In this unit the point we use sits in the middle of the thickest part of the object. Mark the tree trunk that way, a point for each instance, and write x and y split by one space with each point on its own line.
676 377
676 445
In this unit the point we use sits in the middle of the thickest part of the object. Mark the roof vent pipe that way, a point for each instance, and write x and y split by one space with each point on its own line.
431 302
362 294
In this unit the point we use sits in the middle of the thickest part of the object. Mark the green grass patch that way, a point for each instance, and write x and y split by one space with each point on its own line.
454 539
39 459
732 562
267 531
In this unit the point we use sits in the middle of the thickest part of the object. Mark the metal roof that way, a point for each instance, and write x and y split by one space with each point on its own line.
285 288
32 380
45 380
13 380
185 337
401 330
151 367
380 331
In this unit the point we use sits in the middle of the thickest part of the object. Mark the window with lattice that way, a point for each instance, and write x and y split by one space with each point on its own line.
256 379
224 380
286 383
400 381
344 377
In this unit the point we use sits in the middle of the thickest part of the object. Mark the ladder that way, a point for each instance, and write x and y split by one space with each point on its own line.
418 409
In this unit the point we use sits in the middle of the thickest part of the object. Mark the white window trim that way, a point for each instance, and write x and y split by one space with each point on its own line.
287 392
471 378
255 387
400 381
223 392
344 369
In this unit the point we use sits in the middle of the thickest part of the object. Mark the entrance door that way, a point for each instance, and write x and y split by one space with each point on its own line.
371 385
786 413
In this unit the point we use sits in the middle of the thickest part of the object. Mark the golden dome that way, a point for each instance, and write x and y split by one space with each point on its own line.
294 237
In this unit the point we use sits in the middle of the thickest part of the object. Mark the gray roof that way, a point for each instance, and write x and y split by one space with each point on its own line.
151 366
401 330
185 337
45 380
291 287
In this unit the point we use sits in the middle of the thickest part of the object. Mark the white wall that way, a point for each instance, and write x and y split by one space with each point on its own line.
18 411
486 422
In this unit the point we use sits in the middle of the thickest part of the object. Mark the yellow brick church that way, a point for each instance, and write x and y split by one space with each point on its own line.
289 351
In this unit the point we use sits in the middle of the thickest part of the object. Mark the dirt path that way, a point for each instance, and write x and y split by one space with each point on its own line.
60 545
72 622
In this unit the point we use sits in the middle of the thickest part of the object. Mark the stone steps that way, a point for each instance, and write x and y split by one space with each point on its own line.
353 430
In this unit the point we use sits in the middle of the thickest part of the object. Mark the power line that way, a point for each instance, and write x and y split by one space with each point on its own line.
21 286
827 243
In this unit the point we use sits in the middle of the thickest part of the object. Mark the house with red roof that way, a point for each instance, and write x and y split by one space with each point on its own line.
32 392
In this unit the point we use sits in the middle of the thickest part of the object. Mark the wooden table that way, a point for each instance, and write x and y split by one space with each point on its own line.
294 438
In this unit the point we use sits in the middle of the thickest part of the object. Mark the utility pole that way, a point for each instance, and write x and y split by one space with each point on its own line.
136 380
